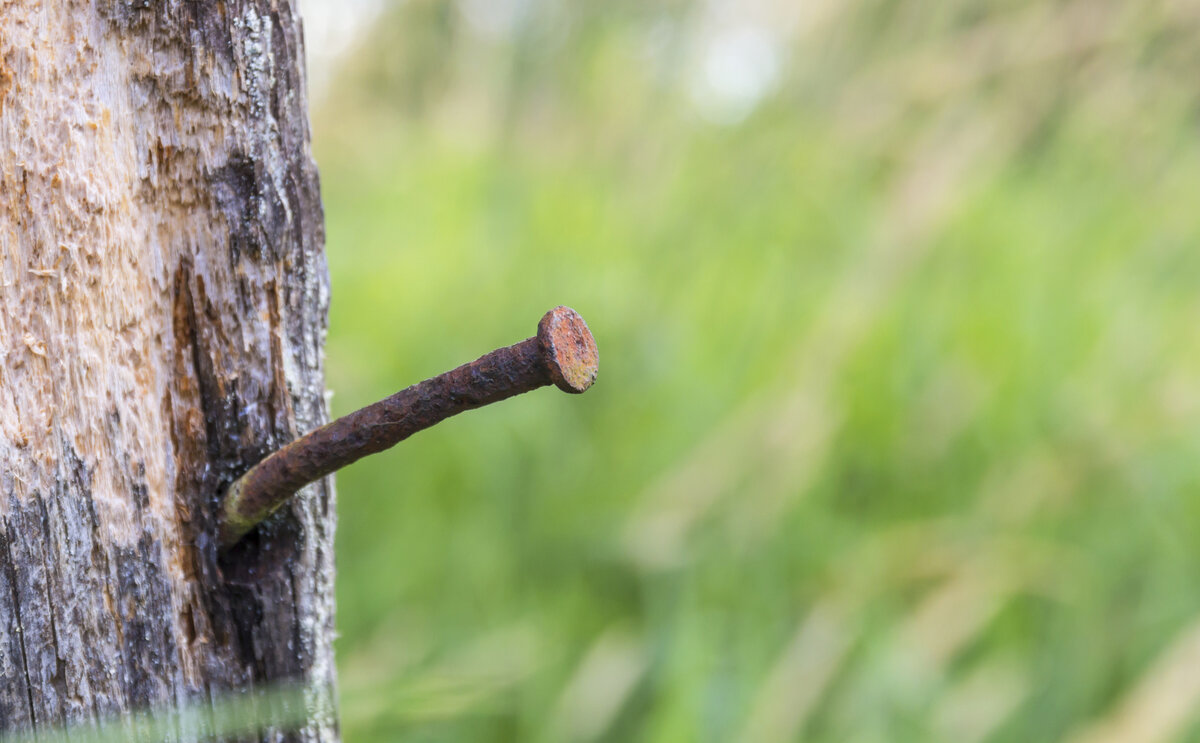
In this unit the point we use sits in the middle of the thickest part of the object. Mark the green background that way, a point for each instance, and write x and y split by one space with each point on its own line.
895 436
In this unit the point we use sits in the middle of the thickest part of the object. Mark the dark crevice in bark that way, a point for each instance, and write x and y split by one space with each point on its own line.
237 190
19 634
57 679
213 407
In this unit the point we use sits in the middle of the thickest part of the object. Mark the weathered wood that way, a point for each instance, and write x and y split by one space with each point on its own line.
163 298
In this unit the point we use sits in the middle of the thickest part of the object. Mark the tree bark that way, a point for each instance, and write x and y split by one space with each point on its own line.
163 301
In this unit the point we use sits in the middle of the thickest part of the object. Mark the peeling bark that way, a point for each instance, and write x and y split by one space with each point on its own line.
163 300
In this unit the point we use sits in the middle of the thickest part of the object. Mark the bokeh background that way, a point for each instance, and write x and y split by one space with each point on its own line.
897 429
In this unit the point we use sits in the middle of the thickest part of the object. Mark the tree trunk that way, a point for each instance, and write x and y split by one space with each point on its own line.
163 298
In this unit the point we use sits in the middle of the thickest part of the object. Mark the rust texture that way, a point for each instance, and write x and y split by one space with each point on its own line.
563 353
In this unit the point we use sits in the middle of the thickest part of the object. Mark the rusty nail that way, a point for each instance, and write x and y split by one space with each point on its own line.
563 353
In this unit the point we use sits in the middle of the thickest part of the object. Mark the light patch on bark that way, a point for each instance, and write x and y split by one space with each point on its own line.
77 274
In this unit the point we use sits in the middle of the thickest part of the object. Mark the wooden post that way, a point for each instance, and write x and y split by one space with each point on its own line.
163 301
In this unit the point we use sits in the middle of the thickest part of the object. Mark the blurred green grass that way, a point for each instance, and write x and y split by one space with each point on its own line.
895 436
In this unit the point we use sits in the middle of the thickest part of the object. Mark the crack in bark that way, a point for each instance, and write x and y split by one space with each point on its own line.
11 564
58 680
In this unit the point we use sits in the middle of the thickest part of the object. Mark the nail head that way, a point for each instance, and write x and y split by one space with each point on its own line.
569 349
